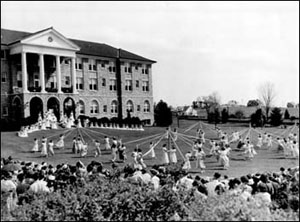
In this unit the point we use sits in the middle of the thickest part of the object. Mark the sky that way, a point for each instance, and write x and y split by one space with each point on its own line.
200 47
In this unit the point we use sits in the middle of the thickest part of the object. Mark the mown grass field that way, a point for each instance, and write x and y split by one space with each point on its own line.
266 160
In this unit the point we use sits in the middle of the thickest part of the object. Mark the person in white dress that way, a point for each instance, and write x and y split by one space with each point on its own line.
60 143
172 153
79 145
114 150
134 157
187 162
259 141
269 141
165 159
84 150
107 144
98 149
35 147
175 134
50 148
249 151
44 152
295 149
140 160
200 155
224 159
265 138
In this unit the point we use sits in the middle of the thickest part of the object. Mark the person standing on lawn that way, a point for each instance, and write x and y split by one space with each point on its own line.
165 159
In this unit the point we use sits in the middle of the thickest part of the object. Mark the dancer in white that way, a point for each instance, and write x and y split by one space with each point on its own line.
79 145
224 159
35 146
269 141
84 150
249 151
165 159
44 152
60 143
107 144
172 153
74 145
175 134
50 148
114 149
259 141
187 162
200 155
140 160
295 149
98 149
265 138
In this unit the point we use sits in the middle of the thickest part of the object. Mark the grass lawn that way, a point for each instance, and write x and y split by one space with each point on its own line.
266 160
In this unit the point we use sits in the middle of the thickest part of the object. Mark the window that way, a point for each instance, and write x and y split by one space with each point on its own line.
4 77
3 54
129 70
103 82
143 71
36 80
78 63
125 69
67 80
93 81
114 69
129 106
113 85
128 86
81 107
145 86
146 71
5 111
94 107
136 67
19 79
146 107
110 69
79 83
138 108
92 65
105 108
52 81
67 61
114 107
137 83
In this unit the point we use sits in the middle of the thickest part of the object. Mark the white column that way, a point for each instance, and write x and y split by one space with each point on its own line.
73 71
24 73
58 73
42 73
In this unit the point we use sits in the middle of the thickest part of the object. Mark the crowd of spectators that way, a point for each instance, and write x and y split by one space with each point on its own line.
19 177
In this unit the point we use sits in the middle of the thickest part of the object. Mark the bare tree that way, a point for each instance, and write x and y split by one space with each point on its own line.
267 95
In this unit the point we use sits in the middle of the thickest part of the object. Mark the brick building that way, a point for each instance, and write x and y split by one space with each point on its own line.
45 70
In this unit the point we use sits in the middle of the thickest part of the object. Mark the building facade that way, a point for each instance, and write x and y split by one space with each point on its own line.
45 70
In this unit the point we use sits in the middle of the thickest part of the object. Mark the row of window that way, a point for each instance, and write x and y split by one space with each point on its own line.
94 107
93 67
93 84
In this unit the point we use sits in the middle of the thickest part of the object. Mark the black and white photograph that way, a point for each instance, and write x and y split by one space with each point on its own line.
149 111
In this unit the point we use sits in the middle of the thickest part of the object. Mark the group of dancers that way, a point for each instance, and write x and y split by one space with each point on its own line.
219 148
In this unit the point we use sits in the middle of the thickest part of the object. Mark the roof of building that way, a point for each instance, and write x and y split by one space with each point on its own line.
86 48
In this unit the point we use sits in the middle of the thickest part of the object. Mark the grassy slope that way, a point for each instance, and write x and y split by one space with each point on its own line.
266 160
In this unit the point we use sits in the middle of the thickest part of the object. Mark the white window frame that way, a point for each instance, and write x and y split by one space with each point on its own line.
114 107
146 107
94 107
129 106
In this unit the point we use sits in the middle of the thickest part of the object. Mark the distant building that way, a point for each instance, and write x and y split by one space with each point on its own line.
45 70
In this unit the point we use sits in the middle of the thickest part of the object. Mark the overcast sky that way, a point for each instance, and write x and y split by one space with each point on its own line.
200 47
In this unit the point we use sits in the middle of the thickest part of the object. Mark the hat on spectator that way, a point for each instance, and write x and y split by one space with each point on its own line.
51 177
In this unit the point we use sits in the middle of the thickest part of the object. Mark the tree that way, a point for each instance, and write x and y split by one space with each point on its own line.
258 118
286 114
239 114
253 102
214 115
276 117
225 115
267 95
211 102
291 105
162 114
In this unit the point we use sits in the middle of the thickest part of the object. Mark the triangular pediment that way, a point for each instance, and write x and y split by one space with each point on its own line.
50 38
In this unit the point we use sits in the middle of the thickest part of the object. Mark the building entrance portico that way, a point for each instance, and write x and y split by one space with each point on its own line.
46 51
